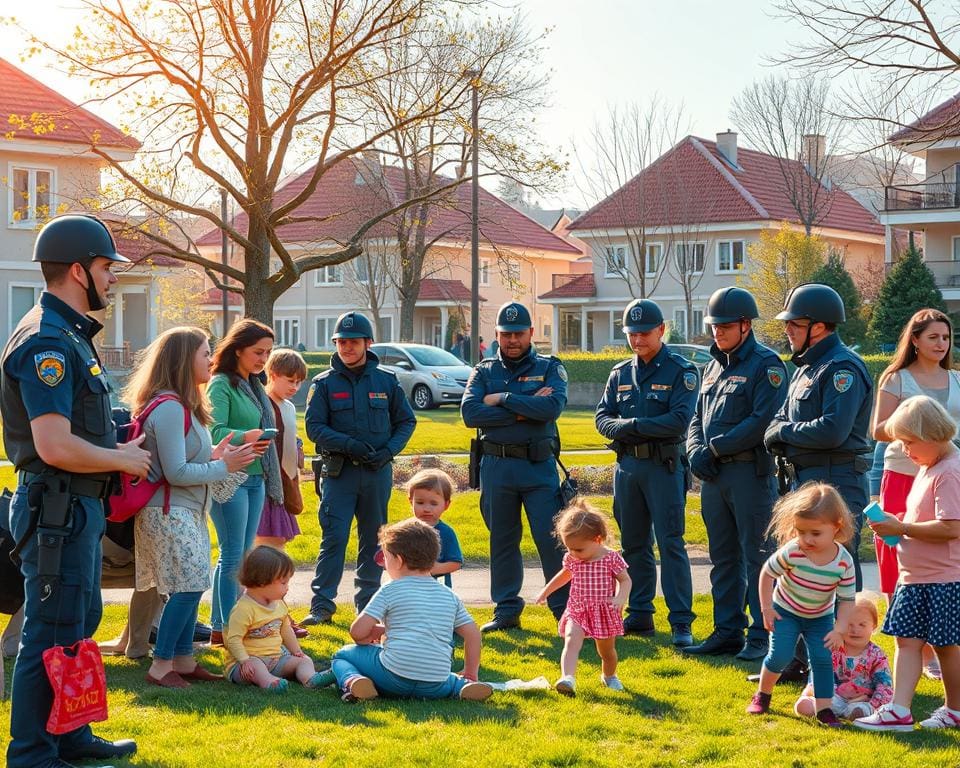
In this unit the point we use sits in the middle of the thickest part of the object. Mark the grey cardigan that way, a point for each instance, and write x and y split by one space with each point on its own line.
184 460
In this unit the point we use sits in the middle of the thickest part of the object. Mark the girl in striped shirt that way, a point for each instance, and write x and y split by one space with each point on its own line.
800 587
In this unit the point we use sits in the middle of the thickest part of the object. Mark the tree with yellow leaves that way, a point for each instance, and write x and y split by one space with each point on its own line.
781 260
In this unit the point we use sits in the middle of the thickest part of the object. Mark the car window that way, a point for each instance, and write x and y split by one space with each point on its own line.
389 355
433 356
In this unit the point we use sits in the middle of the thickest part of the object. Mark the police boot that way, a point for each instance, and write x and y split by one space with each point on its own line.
500 624
101 749
717 645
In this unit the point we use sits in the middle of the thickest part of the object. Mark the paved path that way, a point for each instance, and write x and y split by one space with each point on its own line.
473 584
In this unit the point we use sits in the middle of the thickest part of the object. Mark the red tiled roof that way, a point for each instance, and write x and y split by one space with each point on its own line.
582 286
350 193
434 289
693 184
31 110
940 122
215 296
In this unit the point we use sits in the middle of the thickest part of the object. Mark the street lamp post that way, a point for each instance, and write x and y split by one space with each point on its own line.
223 258
473 75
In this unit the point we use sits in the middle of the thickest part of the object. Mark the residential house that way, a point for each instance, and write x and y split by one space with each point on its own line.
517 258
698 208
931 206
47 168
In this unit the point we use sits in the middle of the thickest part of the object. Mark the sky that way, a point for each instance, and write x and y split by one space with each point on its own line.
600 53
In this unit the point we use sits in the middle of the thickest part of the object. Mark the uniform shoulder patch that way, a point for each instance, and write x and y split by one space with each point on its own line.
51 367
562 372
690 380
842 380
775 377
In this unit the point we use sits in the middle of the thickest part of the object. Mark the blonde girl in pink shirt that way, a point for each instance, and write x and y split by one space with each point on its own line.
926 603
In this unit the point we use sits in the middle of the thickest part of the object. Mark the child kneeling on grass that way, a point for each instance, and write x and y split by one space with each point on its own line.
861 672
259 640
417 615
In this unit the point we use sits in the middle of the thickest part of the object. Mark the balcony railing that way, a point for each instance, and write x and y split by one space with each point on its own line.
117 358
937 193
946 273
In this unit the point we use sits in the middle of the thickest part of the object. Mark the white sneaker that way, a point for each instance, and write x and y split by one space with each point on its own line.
566 685
476 692
941 718
612 682
885 719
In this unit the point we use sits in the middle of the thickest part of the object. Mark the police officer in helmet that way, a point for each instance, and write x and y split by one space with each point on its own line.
645 410
359 419
515 399
58 432
820 432
743 387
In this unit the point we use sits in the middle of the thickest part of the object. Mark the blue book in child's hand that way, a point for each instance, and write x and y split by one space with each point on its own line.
875 513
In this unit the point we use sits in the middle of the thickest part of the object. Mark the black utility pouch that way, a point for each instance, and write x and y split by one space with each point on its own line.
473 470
332 465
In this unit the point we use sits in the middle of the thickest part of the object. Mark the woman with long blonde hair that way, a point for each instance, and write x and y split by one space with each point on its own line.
172 540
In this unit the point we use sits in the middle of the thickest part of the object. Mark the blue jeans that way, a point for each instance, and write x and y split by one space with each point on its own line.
175 632
649 500
236 522
71 613
783 642
736 512
353 660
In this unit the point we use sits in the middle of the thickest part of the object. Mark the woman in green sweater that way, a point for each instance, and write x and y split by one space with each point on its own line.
240 405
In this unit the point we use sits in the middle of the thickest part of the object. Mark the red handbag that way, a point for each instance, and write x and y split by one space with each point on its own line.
79 686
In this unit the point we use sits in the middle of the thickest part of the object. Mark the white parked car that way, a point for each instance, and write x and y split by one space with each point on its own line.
430 376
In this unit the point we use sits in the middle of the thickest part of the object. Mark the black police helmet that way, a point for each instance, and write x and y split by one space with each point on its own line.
728 305
815 302
513 317
352 325
75 238
641 315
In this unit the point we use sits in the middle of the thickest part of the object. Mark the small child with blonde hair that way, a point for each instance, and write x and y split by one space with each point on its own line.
599 588
861 672
802 586
259 641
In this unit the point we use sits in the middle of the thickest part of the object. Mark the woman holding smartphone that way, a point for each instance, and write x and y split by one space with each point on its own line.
239 404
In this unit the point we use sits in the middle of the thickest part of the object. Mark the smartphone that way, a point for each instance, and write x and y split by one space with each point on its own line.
269 434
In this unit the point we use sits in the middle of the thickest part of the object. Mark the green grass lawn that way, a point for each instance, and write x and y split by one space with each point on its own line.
677 711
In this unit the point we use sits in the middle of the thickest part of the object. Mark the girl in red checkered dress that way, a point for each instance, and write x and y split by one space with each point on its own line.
599 587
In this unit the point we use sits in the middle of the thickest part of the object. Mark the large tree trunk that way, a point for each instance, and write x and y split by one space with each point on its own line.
259 295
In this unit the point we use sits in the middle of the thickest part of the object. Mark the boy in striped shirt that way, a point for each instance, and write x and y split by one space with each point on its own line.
807 588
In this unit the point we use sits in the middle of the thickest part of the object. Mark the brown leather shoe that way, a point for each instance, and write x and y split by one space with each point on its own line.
169 680
200 673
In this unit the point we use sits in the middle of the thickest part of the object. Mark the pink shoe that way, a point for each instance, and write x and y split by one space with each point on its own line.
885 719
759 704
941 718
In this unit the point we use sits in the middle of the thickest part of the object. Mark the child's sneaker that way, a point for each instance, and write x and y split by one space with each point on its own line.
931 670
566 685
358 688
885 719
858 710
476 691
612 682
278 686
941 718
759 704
828 718
321 679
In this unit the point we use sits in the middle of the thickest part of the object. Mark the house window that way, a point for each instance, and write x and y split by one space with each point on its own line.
385 329
689 257
30 197
956 248
324 330
22 300
287 330
653 258
484 271
615 259
680 323
361 270
330 275
696 327
730 256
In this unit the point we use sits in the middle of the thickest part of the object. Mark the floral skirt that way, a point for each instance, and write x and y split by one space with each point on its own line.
172 550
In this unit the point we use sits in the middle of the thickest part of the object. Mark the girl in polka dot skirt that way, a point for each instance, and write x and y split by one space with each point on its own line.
599 587
926 603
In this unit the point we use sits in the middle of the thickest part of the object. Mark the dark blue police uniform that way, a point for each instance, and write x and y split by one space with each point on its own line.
740 394
343 407
646 410
49 366
518 438
821 430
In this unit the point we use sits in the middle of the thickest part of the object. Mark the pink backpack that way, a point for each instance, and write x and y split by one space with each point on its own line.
134 493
